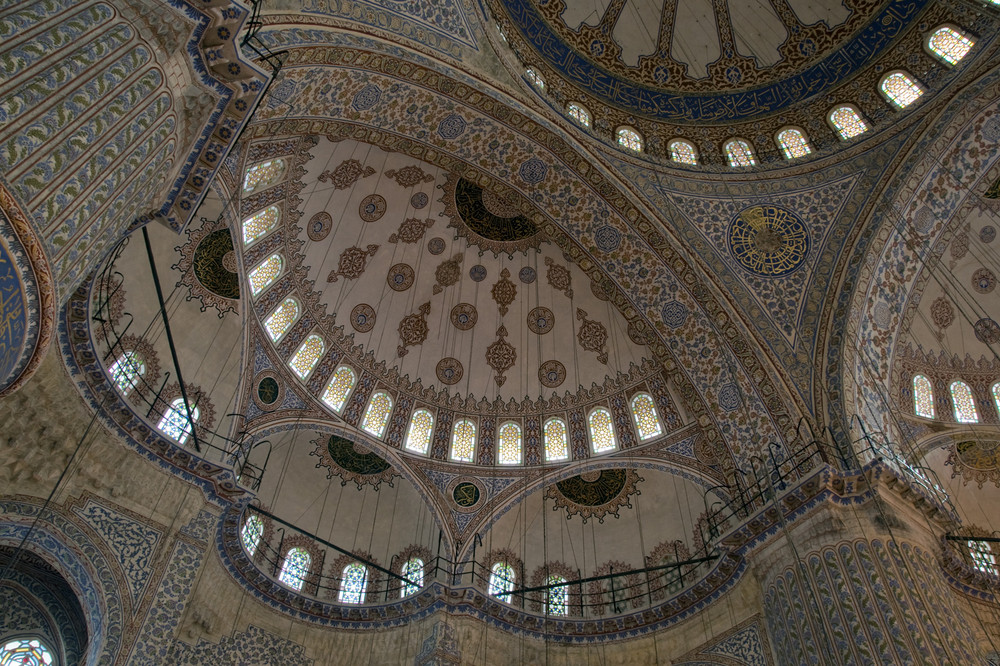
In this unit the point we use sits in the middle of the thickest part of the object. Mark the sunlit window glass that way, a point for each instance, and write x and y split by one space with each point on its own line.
127 371
556 443
848 122
535 78
509 444
25 652
901 89
263 175
793 143
252 530
949 45
647 422
557 596
282 319
259 224
923 397
982 557
739 154
175 424
683 152
579 113
306 358
965 404
335 395
353 584
463 441
630 139
501 581
377 414
418 437
295 568
264 274
413 571
602 433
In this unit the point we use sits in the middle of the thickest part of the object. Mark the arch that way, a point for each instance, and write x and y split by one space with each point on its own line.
413 570
793 143
602 431
261 277
463 441
982 557
557 596
630 139
995 390
174 422
900 89
26 651
554 434
647 421
683 151
377 414
847 121
251 533
335 395
739 153
353 584
949 44
307 356
535 78
127 370
295 568
923 397
963 402
263 175
279 321
259 224
418 435
509 444
502 580
579 113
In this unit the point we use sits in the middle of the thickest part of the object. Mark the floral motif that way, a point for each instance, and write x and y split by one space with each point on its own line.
400 277
987 331
413 329
477 273
551 373
984 281
447 273
319 226
595 494
419 200
352 263
449 370
987 233
959 247
504 291
435 245
464 316
501 356
527 275
372 208
346 174
411 230
976 460
592 336
409 176
351 461
559 277
207 267
363 318
541 320
942 312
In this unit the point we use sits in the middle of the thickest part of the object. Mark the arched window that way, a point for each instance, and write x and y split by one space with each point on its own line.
739 153
126 371
306 358
282 319
418 436
847 121
335 395
647 422
965 404
556 443
353 584
535 78
949 45
983 557
509 444
378 413
463 441
295 568
629 138
557 596
996 396
175 424
259 224
264 274
413 571
502 579
253 528
923 397
793 143
579 113
25 652
683 152
602 431
263 175
900 89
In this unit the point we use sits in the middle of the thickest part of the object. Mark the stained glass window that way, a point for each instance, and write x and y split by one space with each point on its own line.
556 598
378 413
353 584
983 557
602 432
306 358
629 138
996 396
683 152
647 422
259 224
295 568
949 44
253 528
500 31
413 571
556 444
174 422
900 89
923 397
263 175
965 404
126 371
282 319
848 122
463 441
739 153
535 78
509 444
335 395
793 143
579 113
502 580
25 652
264 274
418 437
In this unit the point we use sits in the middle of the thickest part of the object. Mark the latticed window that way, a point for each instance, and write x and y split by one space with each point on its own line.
996 396
848 122
263 275
413 571
463 441
579 113
306 358
509 444
965 404
127 371
557 596
263 175
175 423
647 422
378 413
335 395
253 528
259 224
739 153
556 443
629 138
923 397
602 432
295 568
900 89
793 143
983 557
418 436
949 44
535 78
353 584
502 579
25 652
683 152
282 319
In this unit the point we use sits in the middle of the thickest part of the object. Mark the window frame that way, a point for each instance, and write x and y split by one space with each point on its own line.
837 107
590 117
913 389
937 56
291 325
638 136
270 230
750 148
284 564
365 579
893 103
258 188
954 404
475 440
590 431
511 581
781 145
347 396
545 447
141 371
277 276
520 444
536 80
304 378
191 421
368 408
409 430
635 416
694 150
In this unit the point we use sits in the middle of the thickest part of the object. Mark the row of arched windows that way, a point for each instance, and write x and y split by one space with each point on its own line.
962 400
126 373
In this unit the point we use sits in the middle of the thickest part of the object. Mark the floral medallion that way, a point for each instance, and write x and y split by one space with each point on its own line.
319 226
541 320
551 373
413 329
987 331
501 356
400 277
595 494
363 318
976 460
491 221
504 291
447 273
207 267
409 176
411 230
435 245
352 263
942 312
559 277
592 336
352 462
346 174
984 281
464 316
449 370
372 208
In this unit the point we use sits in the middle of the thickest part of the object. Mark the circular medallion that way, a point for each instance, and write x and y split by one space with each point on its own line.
768 240
267 390
363 318
541 320
372 208
987 233
209 265
400 277
419 200
449 370
598 290
527 275
229 261
435 246
464 316
466 494
551 373
477 273
319 226
984 281
638 333
987 331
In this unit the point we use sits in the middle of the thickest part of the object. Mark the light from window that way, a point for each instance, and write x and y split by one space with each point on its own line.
25 652
502 580
647 423
418 437
949 45
335 395
629 138
739 154
264 274
793 143
500 31
295 568
683 152
306 358
578 113
378 413
413 571
996 396
263 175
259 224
556 444
983 557
253 528
509 444
923 397
965 404
557 596
126 371
900 89
282 319
848 122
175 423
463 441
353 584
535 78
602 432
